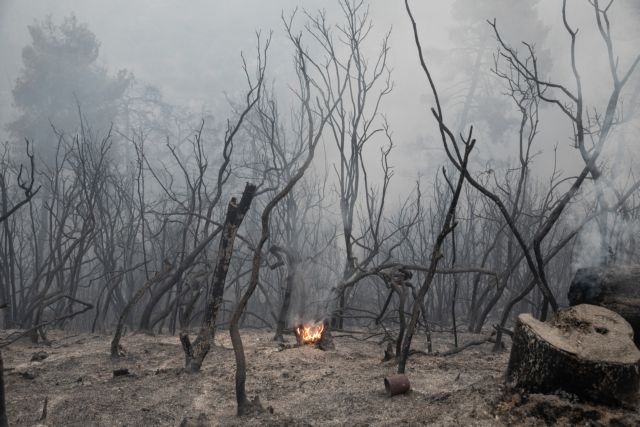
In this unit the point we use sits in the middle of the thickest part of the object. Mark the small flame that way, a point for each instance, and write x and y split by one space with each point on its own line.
311 333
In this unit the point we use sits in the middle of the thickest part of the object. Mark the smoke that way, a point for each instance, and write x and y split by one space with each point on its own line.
192 54
311 294
612 232
608 239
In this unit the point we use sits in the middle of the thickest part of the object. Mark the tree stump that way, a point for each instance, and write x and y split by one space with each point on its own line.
616 287
585 350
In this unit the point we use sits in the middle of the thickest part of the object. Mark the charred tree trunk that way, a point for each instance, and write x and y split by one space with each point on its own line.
398 282
436 255
196 352
115 342
586 350
402 296
156 297
343 305
292 268
616 287
284 309
326 342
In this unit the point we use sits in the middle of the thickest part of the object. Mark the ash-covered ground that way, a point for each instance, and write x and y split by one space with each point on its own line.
297 386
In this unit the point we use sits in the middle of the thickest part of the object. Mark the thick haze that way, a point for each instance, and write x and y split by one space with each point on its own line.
148 118
191 52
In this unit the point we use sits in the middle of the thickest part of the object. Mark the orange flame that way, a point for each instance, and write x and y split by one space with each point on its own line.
311 333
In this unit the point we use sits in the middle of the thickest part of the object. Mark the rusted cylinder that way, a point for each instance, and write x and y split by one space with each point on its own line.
396 384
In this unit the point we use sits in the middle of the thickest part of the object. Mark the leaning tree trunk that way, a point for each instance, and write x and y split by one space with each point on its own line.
196 352
117 335
616 287
246 406
586 350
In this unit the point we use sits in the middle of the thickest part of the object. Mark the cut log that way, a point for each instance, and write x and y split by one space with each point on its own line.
585 350
616 287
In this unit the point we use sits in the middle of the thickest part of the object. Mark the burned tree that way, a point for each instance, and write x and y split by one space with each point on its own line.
299 242
181 282
588 127
313 118
355 124
8 268
25 185
7 211
158 277
73 186
527 88
196 352
461 162
197 212
298 238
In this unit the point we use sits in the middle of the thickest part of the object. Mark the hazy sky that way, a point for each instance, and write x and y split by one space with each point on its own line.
191 51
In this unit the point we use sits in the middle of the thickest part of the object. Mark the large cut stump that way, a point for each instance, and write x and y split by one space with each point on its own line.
585 350
616 287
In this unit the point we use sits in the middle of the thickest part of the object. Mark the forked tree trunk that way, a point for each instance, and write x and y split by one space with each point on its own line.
616 287
196 352
586 350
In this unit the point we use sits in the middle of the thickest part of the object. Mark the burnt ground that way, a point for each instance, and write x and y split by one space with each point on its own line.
299 386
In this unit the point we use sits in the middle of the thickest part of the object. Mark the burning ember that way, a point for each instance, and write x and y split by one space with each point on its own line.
310 333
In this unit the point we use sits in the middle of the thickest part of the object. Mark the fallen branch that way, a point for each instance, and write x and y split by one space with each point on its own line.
11 339
490 339
467 345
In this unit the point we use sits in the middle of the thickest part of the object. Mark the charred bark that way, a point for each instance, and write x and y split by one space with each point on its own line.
292 267
158 277
326 342
196 352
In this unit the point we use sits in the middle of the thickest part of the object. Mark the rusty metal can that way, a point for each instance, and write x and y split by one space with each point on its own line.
396 384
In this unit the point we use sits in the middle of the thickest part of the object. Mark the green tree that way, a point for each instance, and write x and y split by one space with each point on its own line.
60 73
